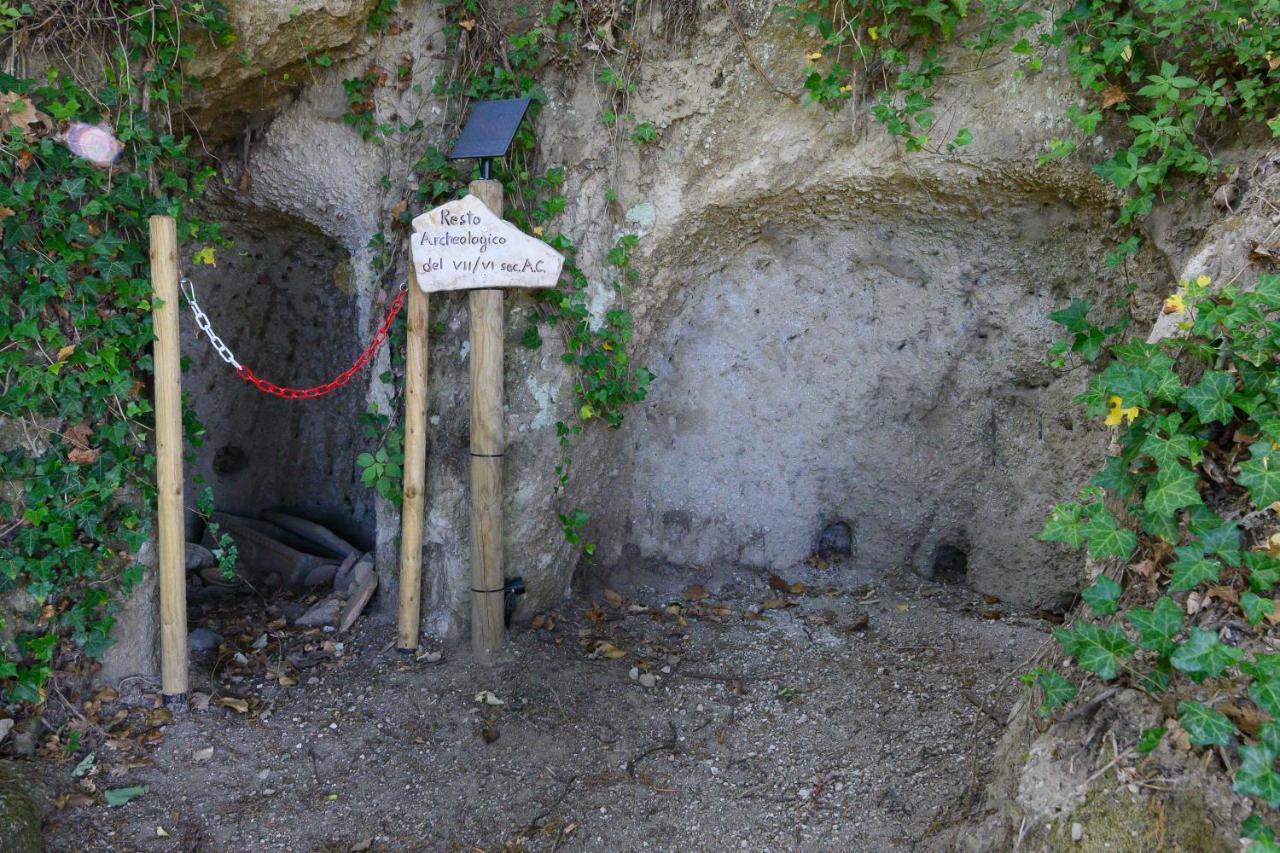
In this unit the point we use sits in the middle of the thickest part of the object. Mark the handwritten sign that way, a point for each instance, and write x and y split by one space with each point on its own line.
463 246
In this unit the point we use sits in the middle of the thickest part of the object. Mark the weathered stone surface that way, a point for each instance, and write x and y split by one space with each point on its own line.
136 632
23 799
838 331
245 82
198 557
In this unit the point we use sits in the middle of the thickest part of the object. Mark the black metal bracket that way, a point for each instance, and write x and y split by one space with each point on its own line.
512 588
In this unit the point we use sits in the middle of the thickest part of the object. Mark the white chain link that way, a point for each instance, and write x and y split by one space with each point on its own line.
202 320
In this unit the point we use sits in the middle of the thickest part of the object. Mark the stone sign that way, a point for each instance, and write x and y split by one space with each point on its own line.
463 246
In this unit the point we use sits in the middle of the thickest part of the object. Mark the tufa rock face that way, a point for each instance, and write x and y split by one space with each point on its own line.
245 82
838 331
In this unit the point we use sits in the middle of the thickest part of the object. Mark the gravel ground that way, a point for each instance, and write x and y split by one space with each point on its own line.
829 711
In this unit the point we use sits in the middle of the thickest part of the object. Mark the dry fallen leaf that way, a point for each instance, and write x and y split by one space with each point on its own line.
696 592
1246 717
77 435
1195 600
469 24
1266 252
608 650
235 704
82 456
774 604
199 701
859 622
1274 616
1113 95
1224 593
66 352
776 582
1177 735
17 111
614 599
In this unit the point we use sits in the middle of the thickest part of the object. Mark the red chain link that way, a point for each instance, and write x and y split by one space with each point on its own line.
342 378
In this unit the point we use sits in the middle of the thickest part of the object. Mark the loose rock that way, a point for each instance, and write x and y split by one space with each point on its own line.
203 640
323 612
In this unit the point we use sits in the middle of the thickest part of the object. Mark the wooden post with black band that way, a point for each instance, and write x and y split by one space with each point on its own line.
466 245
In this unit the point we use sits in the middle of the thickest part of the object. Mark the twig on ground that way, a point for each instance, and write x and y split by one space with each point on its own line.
1088 708
671 744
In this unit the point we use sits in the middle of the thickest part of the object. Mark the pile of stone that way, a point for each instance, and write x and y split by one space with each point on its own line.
282 551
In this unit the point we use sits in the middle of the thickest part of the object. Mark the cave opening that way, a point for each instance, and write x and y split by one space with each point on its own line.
282 473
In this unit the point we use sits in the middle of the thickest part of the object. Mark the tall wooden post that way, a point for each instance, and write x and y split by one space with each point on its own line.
487 447
415 465
168 404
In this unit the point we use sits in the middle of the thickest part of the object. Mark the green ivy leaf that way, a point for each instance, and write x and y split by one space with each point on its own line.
1150 739
1261 474
1267 695
1064 525
1168 451
1057 690
1205 726
1107 538
1255 607
1223 542
1157 626
1102 596
1173 489
1253 827
1203 655
1097 650
1257 776
1209 397
1191 569
1264 571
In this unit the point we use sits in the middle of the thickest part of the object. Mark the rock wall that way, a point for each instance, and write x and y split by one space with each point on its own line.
839 331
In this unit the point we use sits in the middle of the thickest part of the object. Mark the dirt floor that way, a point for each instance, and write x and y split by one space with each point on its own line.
824 711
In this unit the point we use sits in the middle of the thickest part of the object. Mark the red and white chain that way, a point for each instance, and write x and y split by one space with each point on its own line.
243 371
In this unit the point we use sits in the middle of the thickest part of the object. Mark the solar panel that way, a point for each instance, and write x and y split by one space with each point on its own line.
490 129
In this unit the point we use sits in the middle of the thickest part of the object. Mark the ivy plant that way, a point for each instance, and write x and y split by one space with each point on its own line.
1185 503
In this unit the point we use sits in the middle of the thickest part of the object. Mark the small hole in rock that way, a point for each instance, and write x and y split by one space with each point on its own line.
950 564
835 540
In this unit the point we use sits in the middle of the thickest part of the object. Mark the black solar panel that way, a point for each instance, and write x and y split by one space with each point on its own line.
490 129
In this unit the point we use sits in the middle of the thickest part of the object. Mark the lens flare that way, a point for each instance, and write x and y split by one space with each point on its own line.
94 142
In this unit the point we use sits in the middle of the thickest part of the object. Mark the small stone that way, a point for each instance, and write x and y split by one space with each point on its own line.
1077 832
634 673
202 754
342 579
5 726
323 612
213 577
362 571
203 640
647 679
321 575
199 557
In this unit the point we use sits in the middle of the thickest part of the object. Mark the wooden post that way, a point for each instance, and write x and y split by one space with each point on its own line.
415 465
168 393
487 447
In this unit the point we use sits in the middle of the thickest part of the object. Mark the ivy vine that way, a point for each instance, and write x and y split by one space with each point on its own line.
76 399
